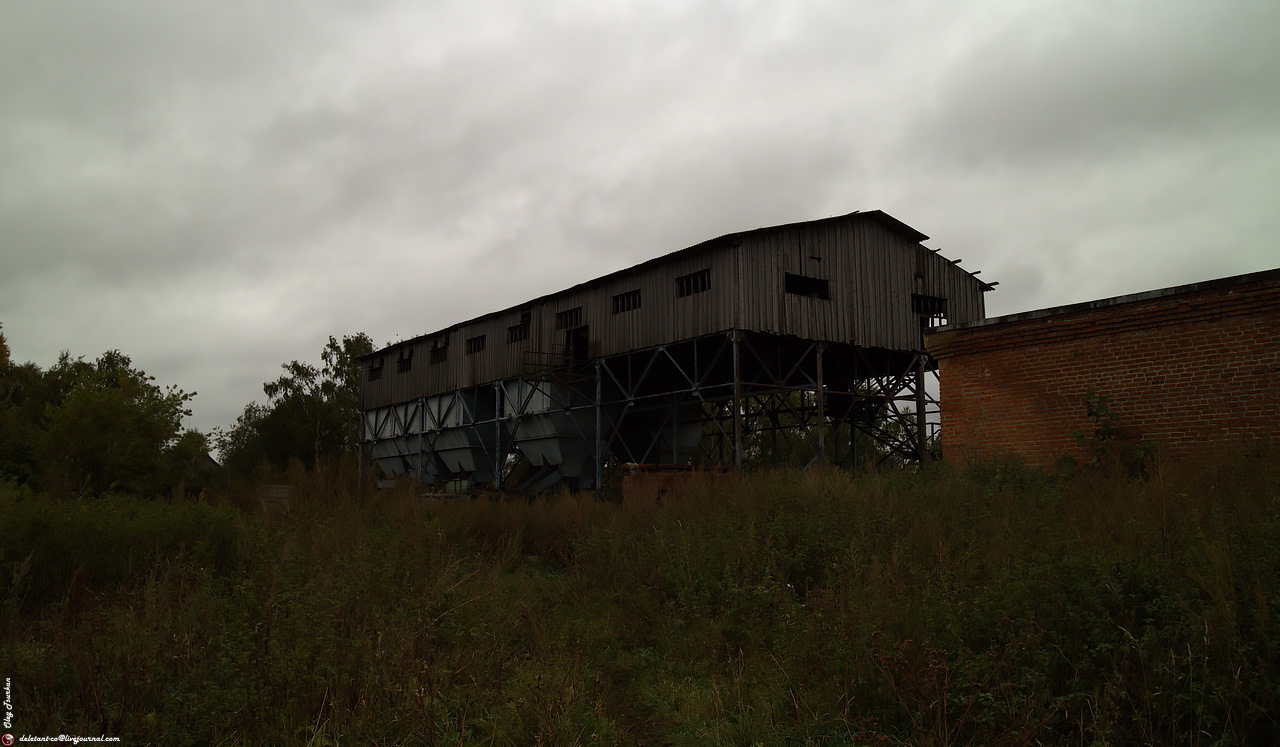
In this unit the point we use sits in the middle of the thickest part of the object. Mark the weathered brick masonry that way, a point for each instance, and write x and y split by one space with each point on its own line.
1196 368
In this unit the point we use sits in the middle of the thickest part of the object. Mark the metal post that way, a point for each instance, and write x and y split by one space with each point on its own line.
497 435
822 411
774 425
922 430
360 456
599 428
674 436
422 435
737 403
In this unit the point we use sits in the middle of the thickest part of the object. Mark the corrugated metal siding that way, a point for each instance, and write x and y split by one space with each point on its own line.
880 277
871 270
759 282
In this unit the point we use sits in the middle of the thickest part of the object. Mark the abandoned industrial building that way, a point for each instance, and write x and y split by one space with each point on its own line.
1192 369
794 342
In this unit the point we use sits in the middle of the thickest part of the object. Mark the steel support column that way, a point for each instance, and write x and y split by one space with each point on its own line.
753 397
822 408
599 450
737 402
499 456
922 426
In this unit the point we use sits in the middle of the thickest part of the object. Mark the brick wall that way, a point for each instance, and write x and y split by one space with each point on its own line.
1196 368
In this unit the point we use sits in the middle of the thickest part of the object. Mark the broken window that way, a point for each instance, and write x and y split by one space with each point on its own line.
404 363
475 344
803 285
932 310
375 369
694 282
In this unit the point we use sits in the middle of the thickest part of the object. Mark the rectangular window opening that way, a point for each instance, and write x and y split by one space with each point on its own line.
404 364
520 332
629 301
803 285
932 310
569 319
439 350
694 282
475 344
375 369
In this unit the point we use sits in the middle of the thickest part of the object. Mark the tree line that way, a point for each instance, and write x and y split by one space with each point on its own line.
83 428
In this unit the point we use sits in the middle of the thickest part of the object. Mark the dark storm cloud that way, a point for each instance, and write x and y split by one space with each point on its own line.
217 187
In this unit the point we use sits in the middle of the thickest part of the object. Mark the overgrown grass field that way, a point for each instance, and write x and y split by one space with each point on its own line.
994 605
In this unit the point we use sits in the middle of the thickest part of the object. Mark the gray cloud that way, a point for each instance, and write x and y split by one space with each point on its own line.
217 187
1067 83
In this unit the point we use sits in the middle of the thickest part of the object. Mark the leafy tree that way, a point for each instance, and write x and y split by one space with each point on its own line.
114 428
311 416
16 434
86 428
22 414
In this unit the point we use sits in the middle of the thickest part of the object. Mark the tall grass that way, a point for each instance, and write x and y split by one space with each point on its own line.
994 605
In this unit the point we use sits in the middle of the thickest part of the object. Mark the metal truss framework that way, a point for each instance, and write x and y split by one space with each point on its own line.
734 398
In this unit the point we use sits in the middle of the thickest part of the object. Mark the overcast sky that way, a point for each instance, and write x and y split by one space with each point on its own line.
214 187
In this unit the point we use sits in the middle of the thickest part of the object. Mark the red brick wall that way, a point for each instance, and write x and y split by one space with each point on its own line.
1197 371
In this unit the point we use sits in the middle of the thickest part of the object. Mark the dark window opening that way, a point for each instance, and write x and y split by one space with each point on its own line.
439 350
577 344
475 344
404 364
520 332
629 301
931 310
375 370
803 285
569 319
694 282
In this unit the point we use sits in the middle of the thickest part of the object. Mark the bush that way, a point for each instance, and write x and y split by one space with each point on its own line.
995 605
55 548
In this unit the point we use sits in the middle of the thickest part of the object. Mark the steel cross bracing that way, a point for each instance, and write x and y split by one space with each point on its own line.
740 398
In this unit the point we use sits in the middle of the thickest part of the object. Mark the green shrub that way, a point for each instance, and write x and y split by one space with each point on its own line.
55 548
993 605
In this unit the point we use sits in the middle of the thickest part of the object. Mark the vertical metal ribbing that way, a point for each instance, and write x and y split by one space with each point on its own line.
737 403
